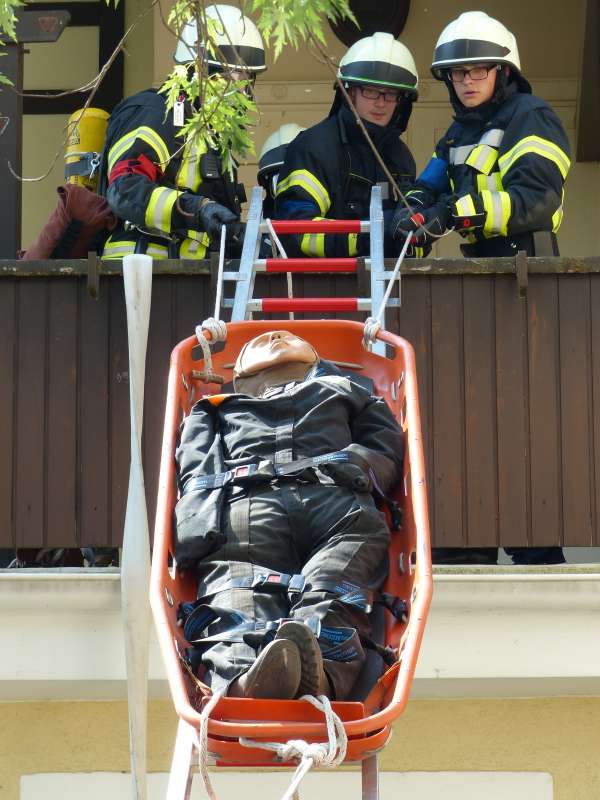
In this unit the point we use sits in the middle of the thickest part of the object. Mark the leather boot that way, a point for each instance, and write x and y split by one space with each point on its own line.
274 675
313 681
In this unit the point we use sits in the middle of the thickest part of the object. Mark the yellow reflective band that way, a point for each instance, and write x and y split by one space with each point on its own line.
114 250
497 208
146 135
465 207
482 158
419 252
117 249
199 236
539 147
193 248
492 182
159 209
188 174
313 244
352 244
557 217
310 184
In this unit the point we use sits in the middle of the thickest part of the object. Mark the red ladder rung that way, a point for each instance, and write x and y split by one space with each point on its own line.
319 226
284 304
307 265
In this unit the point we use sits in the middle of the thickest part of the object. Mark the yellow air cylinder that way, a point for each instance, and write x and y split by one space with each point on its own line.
86 135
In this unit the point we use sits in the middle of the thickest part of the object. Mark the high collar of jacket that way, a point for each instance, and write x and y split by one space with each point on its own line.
352 134
483 113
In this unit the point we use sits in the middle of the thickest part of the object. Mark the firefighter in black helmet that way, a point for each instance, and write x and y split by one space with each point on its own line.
497 175
172 200
330 168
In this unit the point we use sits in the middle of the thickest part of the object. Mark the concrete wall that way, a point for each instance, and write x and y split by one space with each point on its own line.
548 747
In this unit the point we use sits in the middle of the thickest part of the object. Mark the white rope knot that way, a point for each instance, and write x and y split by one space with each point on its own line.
218 333
371 329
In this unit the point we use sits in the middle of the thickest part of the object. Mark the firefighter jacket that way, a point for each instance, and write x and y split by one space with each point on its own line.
329 172
326 413
512 156
146 166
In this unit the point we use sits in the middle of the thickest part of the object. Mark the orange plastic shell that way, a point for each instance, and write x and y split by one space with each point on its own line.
367 724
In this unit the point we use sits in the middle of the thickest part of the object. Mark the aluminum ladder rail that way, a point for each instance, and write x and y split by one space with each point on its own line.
244 304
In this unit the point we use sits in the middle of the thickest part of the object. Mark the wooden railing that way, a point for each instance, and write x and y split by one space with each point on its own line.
508 360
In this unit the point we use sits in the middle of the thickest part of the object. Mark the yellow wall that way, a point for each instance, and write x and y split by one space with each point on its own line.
556 735
67 64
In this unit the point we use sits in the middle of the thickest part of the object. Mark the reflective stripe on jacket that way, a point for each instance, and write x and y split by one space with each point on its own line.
138 127
329 171
516 158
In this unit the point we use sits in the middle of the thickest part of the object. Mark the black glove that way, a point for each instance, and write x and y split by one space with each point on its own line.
468 213
203 214
433 220
212 215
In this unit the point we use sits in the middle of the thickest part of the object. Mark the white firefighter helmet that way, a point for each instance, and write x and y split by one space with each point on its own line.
237 37
272 154
380 60
474 38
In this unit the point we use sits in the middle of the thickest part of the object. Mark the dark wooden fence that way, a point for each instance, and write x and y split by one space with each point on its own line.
509 378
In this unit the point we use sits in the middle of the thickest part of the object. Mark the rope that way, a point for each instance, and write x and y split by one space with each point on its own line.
275 241
320 754
373 324
218 333
203 743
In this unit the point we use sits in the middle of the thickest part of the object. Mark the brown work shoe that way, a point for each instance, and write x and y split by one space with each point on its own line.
314 681
274 675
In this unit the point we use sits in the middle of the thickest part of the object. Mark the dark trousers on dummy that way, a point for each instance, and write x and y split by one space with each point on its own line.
333 536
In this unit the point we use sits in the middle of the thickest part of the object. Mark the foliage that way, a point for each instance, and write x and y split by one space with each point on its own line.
8 20
226 110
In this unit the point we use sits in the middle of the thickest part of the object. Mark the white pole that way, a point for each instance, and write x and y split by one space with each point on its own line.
135 563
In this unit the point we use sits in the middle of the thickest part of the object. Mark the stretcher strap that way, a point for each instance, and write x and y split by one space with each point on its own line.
263 471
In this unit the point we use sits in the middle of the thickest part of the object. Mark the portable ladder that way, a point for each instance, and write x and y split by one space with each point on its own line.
244 305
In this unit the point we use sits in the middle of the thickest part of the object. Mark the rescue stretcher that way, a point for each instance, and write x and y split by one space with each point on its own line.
390 364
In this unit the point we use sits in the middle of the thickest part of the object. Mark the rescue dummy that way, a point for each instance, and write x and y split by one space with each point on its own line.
497 174
330 169
277 517
172 200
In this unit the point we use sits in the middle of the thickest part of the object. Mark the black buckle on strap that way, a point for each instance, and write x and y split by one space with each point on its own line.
279 581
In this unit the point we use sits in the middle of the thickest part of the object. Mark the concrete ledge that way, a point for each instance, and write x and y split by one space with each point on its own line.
492 632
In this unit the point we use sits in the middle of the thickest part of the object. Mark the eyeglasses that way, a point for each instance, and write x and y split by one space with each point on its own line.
375 94
458 74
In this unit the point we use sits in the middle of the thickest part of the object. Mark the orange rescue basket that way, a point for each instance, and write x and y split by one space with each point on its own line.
368 723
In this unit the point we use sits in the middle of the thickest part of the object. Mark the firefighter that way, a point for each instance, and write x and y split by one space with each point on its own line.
271 159
497 175
277 517
170 200
330 168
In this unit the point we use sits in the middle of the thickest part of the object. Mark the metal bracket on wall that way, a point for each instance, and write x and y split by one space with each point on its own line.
93 274
521 272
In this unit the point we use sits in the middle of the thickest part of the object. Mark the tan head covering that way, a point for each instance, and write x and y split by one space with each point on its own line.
274 357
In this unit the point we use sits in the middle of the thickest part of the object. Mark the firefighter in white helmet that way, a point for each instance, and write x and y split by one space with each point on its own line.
497 175
330 168
271 159
171 203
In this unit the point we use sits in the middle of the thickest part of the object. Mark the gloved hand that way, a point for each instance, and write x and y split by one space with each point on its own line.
433 220
203 214
468 213
212 215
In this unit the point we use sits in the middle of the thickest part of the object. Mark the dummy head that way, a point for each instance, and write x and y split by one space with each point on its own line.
270 359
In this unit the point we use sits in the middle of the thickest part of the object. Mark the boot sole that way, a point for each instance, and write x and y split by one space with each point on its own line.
274 676
313 675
